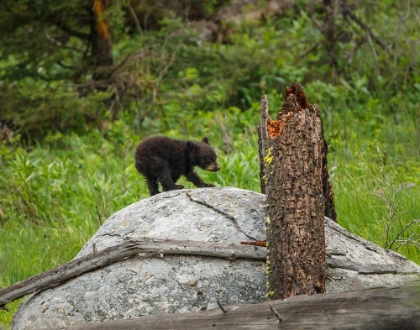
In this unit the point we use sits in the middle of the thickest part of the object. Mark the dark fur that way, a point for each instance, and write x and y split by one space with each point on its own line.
163 160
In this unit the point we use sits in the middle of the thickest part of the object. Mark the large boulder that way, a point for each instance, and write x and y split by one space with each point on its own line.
148 284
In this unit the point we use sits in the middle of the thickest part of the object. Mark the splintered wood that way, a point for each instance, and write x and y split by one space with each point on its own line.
293 158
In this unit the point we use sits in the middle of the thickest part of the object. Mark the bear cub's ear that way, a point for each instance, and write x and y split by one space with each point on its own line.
205 140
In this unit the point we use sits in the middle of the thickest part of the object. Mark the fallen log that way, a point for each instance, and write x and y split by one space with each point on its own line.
370 309
160 248
127 249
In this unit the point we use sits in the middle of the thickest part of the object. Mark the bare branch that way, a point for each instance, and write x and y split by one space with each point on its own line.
405 242
396 239
347 12
132 12
221 306
262 140
60 24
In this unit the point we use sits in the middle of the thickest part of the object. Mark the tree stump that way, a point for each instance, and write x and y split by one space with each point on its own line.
293 157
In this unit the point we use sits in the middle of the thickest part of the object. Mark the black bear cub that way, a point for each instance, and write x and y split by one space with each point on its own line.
163 160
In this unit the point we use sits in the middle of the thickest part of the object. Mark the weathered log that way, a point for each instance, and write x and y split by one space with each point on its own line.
295 179
67 271
130 248
82 265
379 308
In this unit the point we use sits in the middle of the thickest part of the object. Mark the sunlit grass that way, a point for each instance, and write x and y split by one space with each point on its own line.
53 201
357 184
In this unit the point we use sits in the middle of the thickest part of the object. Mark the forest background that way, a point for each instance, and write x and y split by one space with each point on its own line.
82 83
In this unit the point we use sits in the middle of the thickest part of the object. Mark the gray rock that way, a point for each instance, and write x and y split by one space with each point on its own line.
147 284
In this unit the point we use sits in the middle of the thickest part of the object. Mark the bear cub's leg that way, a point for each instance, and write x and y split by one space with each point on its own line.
166 180
196 180
153 186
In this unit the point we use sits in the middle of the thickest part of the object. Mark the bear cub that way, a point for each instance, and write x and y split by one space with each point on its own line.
163 160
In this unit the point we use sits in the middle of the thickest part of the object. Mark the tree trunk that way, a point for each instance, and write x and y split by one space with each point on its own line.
102 55
298 195
101 43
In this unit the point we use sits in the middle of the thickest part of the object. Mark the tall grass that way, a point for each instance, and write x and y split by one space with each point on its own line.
56 196
54 199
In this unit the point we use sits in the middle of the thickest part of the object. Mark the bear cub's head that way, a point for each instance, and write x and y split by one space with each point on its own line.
203 155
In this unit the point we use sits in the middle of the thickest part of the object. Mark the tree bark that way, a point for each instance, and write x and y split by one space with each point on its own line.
103 61
262 140
101 43
381 308
298 196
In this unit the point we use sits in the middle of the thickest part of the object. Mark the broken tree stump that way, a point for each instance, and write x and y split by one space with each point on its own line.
293 157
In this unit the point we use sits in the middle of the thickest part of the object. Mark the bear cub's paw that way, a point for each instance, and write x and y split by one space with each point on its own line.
207 185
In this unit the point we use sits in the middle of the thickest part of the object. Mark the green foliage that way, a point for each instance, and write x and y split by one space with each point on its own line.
75 166
58 109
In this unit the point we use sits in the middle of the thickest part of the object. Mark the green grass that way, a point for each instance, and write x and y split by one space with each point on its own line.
54 199
362 212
